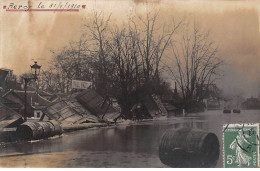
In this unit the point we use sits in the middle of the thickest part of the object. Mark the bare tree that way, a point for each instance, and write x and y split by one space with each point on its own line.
136 55
80 60
98 36
70 63
153 42
123 59
126 73
48 81
197 64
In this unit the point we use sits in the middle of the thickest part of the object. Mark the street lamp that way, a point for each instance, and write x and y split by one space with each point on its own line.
35 69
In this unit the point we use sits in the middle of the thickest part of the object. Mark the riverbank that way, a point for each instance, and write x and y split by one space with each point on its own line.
10 134
126 144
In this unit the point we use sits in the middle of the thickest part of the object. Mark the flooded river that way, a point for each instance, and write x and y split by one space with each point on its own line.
134 145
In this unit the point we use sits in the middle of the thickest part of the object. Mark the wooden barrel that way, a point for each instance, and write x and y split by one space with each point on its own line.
30 131
38 130
189 148
236 110
48 129
57 127
226 111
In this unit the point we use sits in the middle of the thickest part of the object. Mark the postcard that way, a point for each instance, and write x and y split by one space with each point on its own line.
129 83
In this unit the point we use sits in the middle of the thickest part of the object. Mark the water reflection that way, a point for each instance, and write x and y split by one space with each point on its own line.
140 138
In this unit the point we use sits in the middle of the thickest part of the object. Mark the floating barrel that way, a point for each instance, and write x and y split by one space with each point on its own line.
38 130
57 127
236 110
48 129
226 111
29 130
189 148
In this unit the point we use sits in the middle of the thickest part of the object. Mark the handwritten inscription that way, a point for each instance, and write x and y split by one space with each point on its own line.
43 5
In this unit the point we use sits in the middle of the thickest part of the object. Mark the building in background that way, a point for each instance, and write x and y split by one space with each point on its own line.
8 80
251 103
211 96
35 103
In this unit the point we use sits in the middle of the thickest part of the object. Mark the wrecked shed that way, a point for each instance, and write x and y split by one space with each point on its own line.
154 105
69 112
8 117
96 104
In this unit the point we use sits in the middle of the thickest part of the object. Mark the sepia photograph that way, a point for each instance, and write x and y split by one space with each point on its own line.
129 83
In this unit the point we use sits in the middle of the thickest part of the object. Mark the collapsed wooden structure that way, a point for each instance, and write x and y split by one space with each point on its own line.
69 112
81 110
8 117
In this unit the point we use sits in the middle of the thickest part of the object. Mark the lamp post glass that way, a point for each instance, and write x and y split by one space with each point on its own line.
35 69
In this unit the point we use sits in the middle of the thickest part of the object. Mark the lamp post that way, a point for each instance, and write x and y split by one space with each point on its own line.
35 70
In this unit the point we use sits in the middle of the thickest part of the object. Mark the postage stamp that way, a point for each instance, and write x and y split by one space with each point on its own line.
241 145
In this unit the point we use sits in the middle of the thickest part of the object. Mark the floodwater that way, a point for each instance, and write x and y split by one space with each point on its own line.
134 145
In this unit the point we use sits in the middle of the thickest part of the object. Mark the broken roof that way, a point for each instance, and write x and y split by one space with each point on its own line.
40 92
9 103
69 112
154 105
95 103
8 116
169 107
3 74
58 96
31 97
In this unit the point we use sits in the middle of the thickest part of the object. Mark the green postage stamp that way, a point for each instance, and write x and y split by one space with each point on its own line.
241 145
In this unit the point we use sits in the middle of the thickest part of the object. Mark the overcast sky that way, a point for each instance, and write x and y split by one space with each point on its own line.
234 25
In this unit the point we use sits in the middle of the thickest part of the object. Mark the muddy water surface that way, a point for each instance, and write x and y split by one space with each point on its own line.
133 145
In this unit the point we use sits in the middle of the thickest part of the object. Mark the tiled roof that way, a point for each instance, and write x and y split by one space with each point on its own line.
40 92
31 97
9 103
7 116
58 96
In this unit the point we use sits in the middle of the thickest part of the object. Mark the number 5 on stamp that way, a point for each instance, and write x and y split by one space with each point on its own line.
241 145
